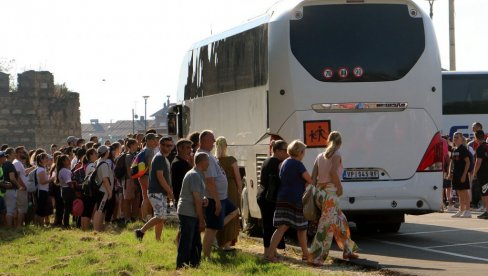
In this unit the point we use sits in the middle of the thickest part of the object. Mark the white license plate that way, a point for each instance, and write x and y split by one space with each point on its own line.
361 174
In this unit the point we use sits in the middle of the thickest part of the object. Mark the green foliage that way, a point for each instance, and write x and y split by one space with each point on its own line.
52 251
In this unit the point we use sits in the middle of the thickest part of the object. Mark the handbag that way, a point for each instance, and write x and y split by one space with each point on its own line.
310 210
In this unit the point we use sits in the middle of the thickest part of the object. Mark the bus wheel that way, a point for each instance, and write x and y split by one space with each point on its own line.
393 227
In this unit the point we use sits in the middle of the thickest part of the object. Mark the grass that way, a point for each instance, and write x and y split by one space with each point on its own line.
52 251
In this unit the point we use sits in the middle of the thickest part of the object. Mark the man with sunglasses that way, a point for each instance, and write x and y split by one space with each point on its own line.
159 189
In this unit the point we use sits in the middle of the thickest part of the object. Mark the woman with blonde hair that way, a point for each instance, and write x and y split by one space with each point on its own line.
458 173
228 236
289 208
332 222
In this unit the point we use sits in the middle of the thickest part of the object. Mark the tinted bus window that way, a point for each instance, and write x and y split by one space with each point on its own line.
382 39
233 63
464 94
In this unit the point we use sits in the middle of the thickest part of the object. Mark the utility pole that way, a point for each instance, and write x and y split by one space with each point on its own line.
452 38
145 112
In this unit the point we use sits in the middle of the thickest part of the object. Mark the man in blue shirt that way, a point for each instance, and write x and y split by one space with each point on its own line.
159 189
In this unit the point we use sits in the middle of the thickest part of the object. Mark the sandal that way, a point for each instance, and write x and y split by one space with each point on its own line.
350 256
271 259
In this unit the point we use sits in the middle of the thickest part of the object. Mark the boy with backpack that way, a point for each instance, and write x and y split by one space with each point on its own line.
123 173
104 180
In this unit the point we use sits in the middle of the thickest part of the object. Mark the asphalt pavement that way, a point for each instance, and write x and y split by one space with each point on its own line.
433 244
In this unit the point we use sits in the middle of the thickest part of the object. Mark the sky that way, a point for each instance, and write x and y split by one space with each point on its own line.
114 52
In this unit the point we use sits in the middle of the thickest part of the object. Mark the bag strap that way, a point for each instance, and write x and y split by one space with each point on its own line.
315 173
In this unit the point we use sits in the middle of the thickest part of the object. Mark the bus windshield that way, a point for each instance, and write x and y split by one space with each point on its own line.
372 42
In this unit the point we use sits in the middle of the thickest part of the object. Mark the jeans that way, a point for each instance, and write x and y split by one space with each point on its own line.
190 245
68 195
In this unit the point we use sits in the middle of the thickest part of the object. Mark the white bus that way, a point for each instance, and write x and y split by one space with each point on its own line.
464 101
369 69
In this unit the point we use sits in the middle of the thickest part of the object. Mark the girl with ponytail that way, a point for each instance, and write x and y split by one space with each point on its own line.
332 222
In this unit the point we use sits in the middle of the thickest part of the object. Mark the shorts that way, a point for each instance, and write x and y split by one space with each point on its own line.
217 222
483 183
44 204
446 184
101 199
22 202
129 189
2 204
458 185
88 205
10 198
158 202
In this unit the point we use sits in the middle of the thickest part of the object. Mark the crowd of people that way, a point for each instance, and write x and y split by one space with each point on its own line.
466 173
204 186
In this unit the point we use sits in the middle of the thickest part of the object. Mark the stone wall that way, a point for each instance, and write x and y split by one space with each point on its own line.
39 113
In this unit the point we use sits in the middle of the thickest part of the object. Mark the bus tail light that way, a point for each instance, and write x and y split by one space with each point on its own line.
433 160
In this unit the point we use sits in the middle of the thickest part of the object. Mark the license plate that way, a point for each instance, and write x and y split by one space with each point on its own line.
361 174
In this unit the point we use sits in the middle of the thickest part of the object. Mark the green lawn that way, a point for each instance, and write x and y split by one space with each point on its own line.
52 251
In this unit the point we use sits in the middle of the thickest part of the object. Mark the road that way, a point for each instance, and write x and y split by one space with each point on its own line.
433 244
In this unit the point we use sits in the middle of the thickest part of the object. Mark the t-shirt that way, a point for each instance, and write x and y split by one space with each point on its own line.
129 157
217 172
90 168
64 177
458 156
19 167
292 183
325 167
8 168
270 168
482 153
193 181
159 163
74 162
42 187
149 154
105 170
179 168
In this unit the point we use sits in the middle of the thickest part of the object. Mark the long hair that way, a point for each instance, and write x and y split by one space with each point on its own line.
334 142
59 165
39 158
465 143
221 147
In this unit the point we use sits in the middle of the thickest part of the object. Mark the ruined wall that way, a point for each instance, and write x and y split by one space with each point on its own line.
38 113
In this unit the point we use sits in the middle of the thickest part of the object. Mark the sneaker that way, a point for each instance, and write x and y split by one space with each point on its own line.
466 214
483 216
139 234
481 209
457 215
451 208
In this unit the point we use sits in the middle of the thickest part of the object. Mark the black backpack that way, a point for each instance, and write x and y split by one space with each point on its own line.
120 170
90 186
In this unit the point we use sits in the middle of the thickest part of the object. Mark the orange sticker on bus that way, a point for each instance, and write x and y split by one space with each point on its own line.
315 133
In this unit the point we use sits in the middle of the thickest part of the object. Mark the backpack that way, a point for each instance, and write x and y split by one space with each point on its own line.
139 166
31 185
120 170
90 186
79 175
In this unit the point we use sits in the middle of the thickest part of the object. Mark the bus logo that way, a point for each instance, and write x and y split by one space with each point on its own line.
343 72
328 73
358 71
315 133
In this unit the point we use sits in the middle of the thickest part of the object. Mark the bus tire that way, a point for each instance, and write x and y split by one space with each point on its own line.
392 227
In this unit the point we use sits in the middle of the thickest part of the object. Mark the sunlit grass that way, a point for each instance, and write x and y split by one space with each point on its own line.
52 251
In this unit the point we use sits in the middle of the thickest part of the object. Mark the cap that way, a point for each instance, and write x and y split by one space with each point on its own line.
2 154
151 136
71 139
102 150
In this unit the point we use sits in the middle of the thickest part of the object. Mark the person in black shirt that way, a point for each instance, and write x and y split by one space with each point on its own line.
458 173
481 169
267 198
180 166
